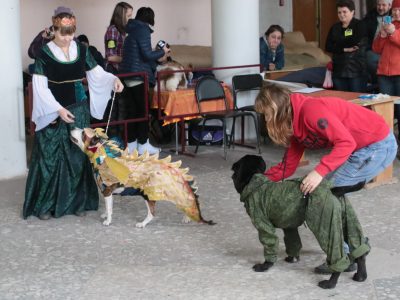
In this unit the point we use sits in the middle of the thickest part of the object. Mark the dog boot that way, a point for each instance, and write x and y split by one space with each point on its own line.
148 147
132 146
324 269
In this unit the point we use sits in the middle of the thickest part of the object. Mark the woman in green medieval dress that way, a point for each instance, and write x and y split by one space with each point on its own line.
60 179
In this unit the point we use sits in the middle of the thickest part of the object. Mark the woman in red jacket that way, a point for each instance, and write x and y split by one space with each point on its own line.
361 142
387 44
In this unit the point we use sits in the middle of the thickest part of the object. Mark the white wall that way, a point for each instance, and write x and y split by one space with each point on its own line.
228 34
177 21
272 13
12 153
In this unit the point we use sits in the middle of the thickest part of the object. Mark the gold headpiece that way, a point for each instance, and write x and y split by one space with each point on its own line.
64 21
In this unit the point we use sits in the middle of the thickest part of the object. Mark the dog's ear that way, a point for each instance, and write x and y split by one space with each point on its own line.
89 132
245 168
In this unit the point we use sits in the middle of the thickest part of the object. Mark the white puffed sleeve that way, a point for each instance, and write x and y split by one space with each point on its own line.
45 106
101 84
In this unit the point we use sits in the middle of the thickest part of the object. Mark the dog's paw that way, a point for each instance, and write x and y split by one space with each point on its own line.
291 259
141 225
326 284
360 277
331 283
107 222
262 267
186 219
103 216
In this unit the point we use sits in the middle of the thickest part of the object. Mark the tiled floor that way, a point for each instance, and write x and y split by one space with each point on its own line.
79 258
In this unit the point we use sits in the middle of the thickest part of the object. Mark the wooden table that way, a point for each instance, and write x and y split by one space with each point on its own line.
181 105
280 73
383 107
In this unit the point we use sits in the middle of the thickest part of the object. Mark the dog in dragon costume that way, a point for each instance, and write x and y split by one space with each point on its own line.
155 179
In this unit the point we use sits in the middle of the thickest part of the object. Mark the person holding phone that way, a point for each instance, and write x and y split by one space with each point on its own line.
387 44
373 21
139 56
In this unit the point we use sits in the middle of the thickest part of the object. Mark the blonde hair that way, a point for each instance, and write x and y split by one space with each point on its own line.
273 101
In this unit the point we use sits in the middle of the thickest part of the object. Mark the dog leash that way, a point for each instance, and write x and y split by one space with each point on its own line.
111 108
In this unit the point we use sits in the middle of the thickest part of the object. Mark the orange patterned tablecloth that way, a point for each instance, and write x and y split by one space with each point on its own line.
183 102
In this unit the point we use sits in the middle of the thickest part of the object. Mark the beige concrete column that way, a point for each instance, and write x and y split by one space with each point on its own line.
235 35
235 42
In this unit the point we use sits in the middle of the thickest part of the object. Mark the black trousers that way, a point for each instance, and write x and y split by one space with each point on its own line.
135 107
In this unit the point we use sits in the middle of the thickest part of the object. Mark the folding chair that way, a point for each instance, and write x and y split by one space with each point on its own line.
210 89
241 83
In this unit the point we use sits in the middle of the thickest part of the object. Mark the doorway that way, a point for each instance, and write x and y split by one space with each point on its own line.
314 18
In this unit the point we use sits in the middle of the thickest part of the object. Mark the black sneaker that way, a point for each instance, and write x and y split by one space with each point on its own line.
324 269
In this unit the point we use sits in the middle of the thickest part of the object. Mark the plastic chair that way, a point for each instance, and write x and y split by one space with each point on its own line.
241 83
210 89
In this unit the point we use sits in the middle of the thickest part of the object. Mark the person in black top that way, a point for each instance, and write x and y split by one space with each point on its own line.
347 41
373 21
139 56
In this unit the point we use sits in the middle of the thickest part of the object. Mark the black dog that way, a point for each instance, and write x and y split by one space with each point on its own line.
273 205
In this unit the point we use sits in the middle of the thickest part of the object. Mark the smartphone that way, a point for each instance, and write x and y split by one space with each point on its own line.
50 33
387 19
161 44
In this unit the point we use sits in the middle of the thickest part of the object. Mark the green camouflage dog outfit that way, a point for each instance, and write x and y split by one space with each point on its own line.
273 205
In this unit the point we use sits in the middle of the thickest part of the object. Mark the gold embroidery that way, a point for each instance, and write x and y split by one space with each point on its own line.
66 81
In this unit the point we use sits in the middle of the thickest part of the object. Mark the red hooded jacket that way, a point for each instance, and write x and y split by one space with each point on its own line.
328 122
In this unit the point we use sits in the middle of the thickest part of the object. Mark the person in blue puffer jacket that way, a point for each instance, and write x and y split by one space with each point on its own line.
138 56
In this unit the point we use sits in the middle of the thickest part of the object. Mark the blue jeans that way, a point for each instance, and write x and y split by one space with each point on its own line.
365 163
357 84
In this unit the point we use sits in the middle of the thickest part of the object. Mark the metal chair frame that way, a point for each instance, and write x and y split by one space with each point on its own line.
210 89
243 83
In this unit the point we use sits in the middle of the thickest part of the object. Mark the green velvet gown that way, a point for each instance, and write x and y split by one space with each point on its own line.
60 179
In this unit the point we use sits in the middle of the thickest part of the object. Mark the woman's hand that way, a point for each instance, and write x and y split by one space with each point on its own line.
351 49
382 32
66 115
271 67
118 86
389 28
310 182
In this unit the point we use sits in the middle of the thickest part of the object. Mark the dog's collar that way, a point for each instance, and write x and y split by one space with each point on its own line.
93 149
96 147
